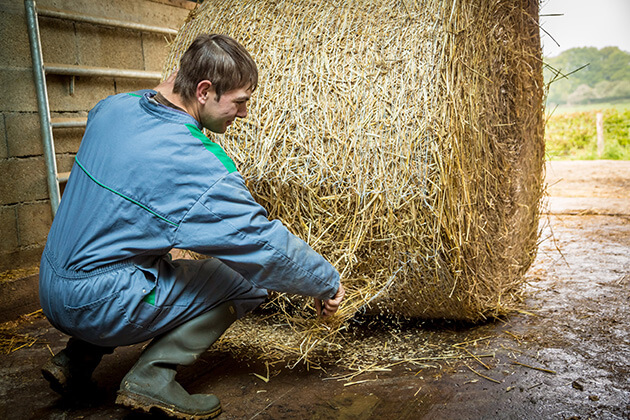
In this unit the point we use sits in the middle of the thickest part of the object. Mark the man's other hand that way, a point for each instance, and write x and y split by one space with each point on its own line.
330 306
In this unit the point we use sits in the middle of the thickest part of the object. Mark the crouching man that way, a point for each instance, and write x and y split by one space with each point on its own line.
146 180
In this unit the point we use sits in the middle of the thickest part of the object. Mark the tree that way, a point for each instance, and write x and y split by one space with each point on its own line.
608 64
619 90
584 94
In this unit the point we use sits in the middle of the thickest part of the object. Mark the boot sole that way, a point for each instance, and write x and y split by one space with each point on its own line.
145 404
55 377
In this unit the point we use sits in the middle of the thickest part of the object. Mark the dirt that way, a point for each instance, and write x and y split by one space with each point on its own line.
566 356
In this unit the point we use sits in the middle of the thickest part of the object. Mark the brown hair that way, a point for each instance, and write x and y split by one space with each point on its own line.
219 59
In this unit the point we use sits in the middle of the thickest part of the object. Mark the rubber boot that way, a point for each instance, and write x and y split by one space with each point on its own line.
150 384
70 371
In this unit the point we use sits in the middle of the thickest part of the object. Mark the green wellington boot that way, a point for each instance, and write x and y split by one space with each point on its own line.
150 384
70 371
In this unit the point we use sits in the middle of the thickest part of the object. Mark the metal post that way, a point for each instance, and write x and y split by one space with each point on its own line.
62 14
73 70
42 104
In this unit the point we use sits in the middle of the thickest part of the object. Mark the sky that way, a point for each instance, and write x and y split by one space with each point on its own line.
584 23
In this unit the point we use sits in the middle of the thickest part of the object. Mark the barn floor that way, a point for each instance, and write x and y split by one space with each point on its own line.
566 357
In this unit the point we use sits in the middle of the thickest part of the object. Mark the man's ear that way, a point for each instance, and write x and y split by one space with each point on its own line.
205 91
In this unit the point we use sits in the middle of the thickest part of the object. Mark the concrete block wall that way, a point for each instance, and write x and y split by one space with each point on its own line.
25 213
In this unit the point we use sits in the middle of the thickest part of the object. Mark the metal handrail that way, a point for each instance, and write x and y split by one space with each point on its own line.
42 105
63 176
62 14
68 122
73 70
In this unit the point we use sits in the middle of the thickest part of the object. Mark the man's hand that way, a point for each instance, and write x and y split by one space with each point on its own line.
330 305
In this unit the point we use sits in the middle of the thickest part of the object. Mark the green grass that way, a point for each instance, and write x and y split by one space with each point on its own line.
571 109
571 132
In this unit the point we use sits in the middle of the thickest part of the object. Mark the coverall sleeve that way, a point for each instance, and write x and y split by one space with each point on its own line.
227 223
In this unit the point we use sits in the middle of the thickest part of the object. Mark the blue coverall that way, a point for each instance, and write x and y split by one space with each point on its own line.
146 180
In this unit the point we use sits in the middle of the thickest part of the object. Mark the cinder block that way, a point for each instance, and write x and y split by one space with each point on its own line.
87 92
18 90
8 227
20 258
169 13
14 44
68 140
18 296
58 40
25 180
109 47
4 146
24 134
34 220
65 162
155 50
129 85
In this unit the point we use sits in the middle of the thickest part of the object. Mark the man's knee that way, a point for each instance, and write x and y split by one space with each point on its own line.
247 303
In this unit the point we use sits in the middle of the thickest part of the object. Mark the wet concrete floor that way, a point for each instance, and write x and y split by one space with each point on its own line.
566 357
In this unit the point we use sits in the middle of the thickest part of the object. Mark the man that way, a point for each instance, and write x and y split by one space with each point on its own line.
146 180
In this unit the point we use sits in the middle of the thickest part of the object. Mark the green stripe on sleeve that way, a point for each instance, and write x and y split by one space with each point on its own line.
212 147
122 195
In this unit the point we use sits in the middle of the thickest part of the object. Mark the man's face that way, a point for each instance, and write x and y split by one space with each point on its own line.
217 115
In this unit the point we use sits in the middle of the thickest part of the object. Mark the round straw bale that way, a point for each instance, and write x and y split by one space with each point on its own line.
402 139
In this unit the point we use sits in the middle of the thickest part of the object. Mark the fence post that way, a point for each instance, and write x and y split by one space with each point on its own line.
600 134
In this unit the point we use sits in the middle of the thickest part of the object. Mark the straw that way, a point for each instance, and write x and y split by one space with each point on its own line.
403 140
